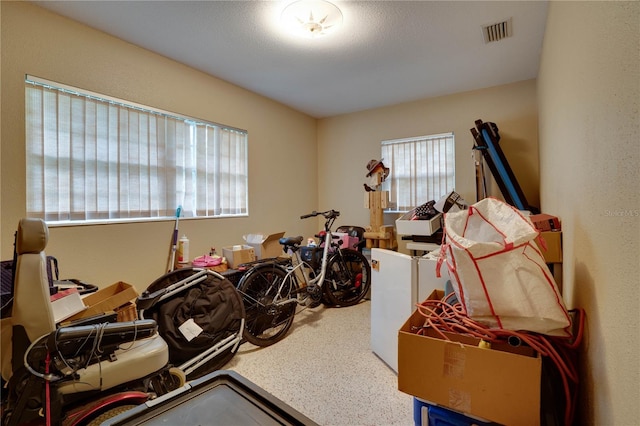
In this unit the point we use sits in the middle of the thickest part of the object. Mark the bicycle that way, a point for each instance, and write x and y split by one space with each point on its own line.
272 289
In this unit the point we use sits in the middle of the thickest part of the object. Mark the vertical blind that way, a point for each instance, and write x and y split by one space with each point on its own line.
421 169
96 159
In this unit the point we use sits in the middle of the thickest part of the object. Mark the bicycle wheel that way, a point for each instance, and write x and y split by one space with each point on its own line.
348 278
267 323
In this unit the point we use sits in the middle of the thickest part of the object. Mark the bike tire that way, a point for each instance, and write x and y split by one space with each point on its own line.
348 278
109 414
266 323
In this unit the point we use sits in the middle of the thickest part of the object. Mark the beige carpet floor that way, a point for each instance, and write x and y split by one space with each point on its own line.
324 368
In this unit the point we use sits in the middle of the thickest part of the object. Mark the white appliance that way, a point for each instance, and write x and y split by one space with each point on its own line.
398 283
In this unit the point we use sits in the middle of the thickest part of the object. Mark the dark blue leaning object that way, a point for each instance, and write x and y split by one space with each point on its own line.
487 140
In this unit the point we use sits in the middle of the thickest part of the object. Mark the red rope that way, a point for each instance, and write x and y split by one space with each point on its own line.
47 391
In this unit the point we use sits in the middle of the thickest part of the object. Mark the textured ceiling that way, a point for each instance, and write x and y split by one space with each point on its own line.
386 52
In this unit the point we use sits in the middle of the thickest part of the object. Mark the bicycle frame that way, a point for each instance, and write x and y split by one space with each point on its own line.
297 271
298 263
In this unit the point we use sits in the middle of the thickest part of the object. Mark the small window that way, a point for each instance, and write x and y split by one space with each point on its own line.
420 169
92 158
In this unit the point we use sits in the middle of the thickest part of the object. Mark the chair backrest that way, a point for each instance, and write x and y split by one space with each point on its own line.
32 303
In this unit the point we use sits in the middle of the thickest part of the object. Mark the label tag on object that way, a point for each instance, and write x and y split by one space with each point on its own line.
190 330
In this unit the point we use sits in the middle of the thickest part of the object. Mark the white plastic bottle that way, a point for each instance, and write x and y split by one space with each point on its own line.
183 250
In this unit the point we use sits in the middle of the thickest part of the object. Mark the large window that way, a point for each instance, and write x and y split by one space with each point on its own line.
91 158
421 169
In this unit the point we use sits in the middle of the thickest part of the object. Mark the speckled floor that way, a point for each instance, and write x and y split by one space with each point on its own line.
325 369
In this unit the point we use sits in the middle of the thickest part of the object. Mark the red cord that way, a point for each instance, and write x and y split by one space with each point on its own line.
441 316
47 391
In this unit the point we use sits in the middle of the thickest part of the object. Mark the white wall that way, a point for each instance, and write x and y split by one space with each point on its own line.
589 95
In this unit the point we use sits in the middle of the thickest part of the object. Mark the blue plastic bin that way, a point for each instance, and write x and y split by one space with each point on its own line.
441 416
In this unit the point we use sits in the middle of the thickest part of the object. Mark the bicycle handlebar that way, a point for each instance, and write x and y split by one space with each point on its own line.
329 214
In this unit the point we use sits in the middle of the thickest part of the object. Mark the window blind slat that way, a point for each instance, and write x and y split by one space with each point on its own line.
420 169
91 159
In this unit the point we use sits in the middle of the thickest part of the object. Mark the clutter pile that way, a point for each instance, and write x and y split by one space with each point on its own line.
423 224
548 361
500 341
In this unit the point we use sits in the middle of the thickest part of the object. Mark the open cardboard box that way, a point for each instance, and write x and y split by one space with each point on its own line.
237 255
501 384
106 300
265 246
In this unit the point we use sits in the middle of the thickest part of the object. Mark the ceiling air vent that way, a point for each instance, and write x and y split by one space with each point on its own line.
498 31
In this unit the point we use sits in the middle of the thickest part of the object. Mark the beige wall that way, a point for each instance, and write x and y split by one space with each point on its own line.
589 94
37 42
346 143
282 144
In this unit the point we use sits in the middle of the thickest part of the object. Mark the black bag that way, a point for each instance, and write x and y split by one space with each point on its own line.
211 304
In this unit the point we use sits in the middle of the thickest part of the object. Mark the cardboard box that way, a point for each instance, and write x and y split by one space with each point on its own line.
553 241
237 255
265 246
545 222
498 385
405 226
65 304
107 300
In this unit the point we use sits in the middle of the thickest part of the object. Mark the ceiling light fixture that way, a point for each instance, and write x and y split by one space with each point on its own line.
311 18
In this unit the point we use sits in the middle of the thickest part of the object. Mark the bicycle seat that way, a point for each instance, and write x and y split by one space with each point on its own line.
291 241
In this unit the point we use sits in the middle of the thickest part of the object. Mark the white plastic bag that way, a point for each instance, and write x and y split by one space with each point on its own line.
498 272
